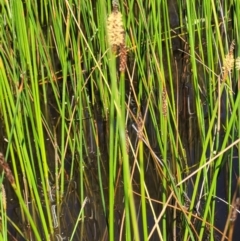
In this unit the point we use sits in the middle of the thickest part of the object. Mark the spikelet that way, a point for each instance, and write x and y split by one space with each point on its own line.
234 212
140 126
237 63
4 199
115 4
7 170
122 57
116 35
115 30
164 102
237 66
127 141
228 63
187 201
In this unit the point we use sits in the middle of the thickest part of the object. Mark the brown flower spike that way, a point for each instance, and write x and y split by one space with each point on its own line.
164 102
123 57
6 169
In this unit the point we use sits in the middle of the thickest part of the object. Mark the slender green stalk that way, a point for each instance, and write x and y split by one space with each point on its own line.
142 184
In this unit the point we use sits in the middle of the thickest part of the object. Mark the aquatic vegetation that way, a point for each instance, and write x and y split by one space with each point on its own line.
119 120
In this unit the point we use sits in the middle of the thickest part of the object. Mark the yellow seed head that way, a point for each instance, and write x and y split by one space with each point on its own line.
115 29
228 62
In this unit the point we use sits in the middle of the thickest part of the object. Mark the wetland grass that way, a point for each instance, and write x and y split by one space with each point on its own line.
119 120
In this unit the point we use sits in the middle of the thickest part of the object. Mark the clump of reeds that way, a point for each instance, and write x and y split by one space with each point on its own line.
116 35
228 62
